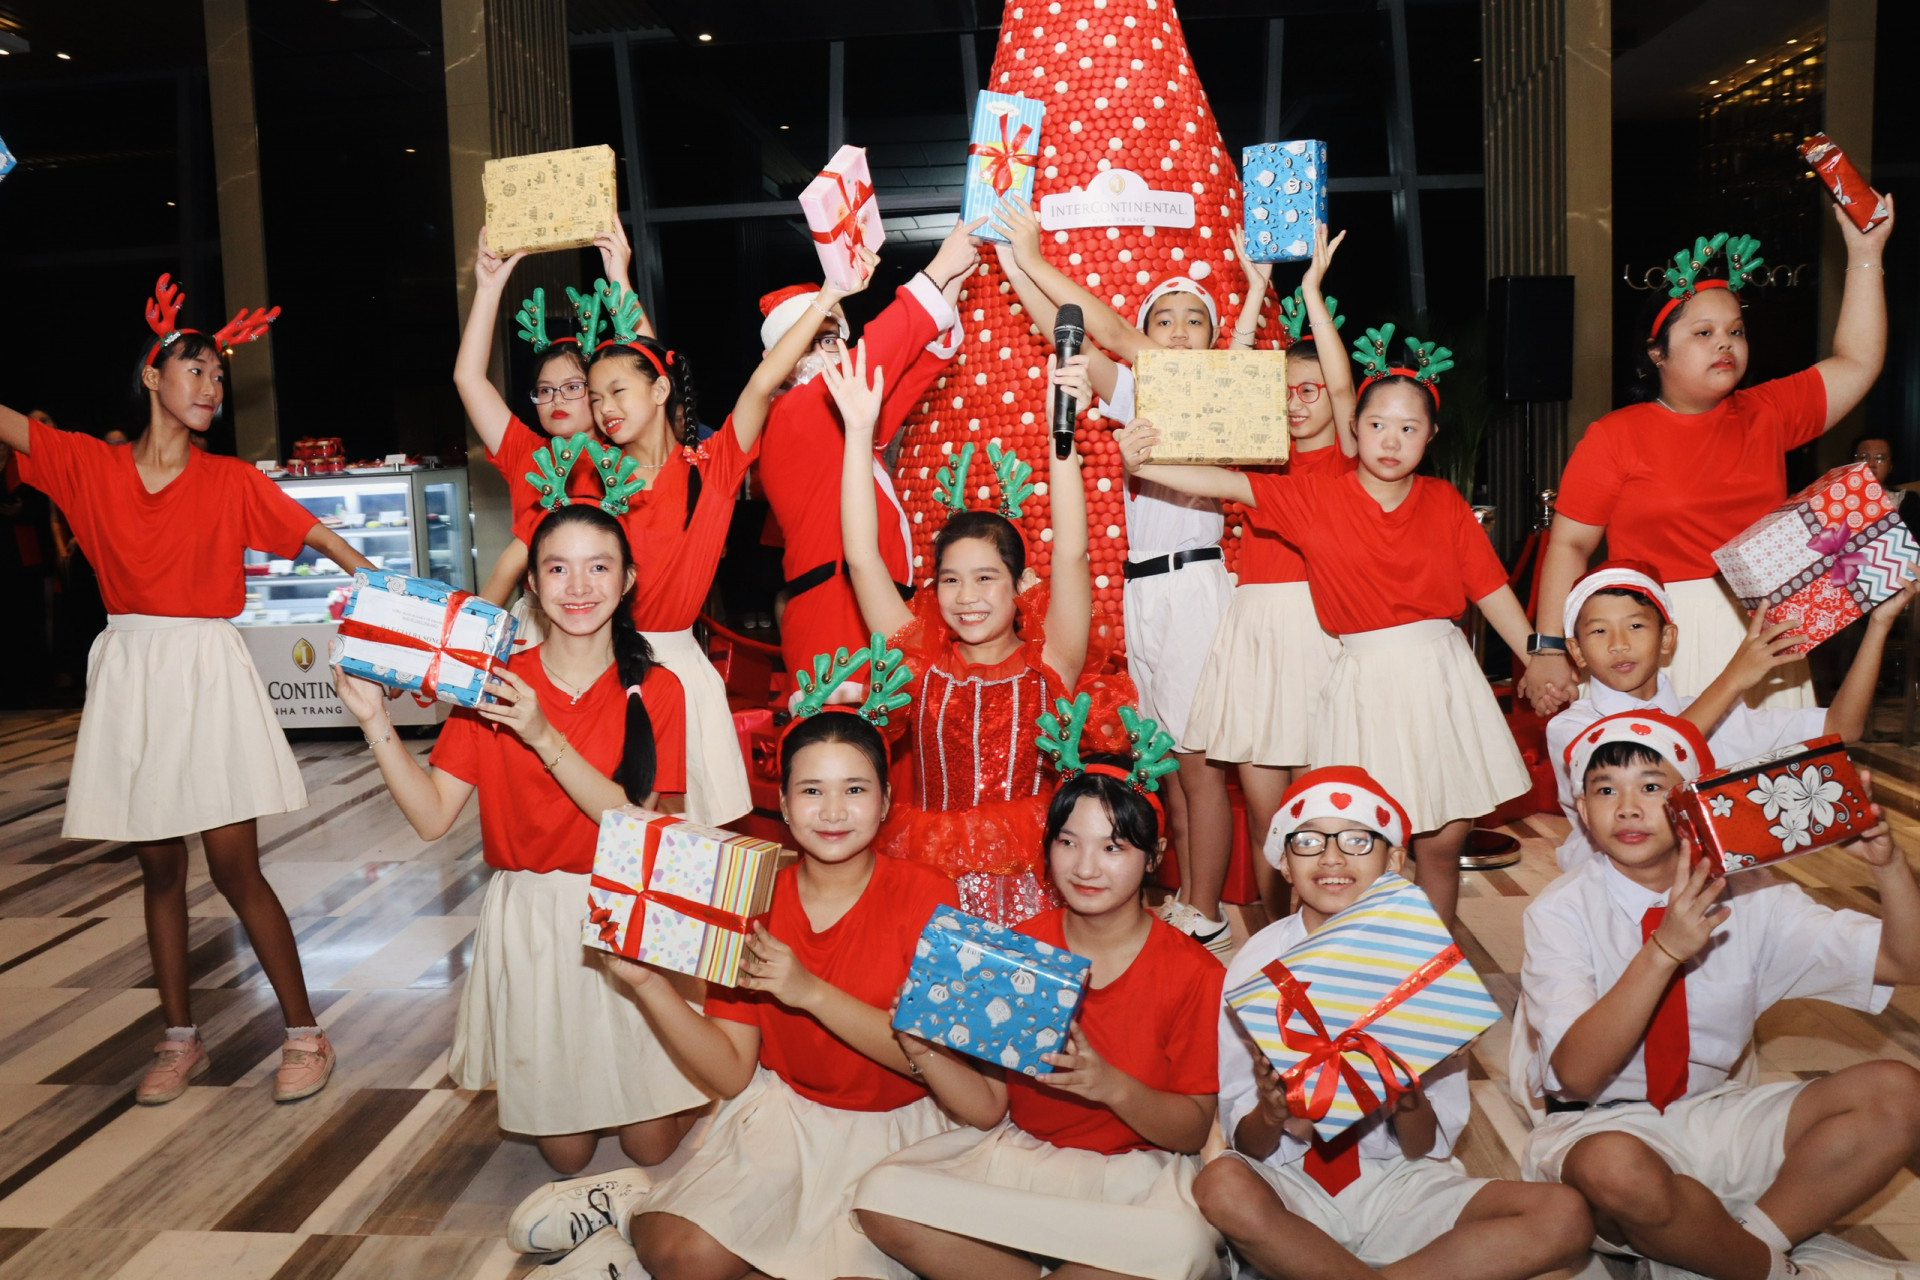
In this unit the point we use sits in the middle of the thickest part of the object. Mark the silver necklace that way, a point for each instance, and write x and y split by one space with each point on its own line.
569 690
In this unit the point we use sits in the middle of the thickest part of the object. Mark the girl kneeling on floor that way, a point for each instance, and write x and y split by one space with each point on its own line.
1088 1169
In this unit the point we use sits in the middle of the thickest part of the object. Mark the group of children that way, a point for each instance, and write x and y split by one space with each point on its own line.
1334 675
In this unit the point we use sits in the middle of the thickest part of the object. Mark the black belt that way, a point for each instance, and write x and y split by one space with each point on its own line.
1166 564
1558 1106
796 587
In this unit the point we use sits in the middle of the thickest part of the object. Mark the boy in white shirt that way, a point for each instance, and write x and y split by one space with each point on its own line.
1619 629
1387 1192
1643 978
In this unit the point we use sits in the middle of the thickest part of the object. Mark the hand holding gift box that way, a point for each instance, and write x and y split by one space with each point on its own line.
1002 154
844 217
1865 206
1774 807
991 992
421 636
1353 1015
549 200
676 894
1214 407
1285 189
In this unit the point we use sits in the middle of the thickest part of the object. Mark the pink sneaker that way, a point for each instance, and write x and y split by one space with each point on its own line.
174 1062
306 1064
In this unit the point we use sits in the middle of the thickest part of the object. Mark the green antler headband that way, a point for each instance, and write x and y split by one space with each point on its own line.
888 677
555 460
1295 322
1683 277
1150 745
952 478
1060 731
1015 476
1426 360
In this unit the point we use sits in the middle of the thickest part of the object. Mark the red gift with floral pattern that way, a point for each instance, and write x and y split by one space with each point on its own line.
1777 806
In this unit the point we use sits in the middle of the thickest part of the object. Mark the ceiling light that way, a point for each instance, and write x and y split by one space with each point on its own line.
6 53
1713 82
1751 61
409 150
706 38
172 205
64 57
786 126
1793 42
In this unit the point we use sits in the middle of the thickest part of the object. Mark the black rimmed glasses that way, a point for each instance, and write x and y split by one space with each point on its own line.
829 342
1355 842
571 390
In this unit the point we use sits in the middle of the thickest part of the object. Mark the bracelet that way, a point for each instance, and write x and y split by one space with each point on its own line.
1876 266
564 744
814 305
913 1065
371 744
1654 938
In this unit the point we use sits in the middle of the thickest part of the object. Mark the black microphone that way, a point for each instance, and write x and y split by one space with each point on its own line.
1069 331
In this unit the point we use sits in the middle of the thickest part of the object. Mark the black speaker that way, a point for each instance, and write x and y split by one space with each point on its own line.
1530 337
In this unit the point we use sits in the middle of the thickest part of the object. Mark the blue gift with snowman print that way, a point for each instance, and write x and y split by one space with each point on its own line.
989 992
1284 185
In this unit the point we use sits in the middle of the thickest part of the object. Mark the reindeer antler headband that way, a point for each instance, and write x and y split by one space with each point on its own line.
1015 478
555 461
1150 745
887 679
1296 327
1430 360
620 308
163 309
1683 277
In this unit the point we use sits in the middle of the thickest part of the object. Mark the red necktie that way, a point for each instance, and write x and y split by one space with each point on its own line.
1335 1164
1667 1042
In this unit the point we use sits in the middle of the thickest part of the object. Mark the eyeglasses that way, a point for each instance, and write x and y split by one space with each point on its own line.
1309 392
828 341
1355 842
1864 456
566 391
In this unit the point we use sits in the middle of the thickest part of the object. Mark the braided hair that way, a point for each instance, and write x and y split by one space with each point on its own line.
649 356
632 655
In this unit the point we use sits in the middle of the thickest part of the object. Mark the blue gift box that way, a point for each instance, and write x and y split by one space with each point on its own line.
6 159
1285 189
421 636
1002 154
990 992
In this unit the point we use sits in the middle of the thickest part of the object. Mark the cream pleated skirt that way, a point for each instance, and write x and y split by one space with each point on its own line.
773 1180
1263 679
1410 706
178 734
529 623
716 774
1713 624
1132 1213
565 1045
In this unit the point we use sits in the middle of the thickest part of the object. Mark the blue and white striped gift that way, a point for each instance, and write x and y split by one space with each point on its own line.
1360 959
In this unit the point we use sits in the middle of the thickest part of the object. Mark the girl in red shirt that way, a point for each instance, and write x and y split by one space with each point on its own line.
1672 478
591 723
179 735
1092 1165
816 1090
1393 558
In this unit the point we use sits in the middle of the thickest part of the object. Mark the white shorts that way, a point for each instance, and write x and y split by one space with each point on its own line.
1394 1209
1731 1140
1171 619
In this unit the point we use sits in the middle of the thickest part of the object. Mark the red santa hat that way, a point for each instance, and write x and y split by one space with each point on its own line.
783 309
1177 284
1675 740
1337 791
1632 575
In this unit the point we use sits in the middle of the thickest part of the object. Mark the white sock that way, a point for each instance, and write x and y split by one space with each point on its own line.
182 1033
296 1033
1760 1226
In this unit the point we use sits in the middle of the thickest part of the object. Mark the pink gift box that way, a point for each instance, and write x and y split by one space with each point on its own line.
843 216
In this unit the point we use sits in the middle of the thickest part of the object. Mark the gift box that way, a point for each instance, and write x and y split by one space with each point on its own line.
843 216
1002 153
1214 407
1285 190
1772 808
1849 189
676 894
1826 555
421 636
549 200
991 992
1353 1015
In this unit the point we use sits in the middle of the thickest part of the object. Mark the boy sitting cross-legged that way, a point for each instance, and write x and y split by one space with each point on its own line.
1643 978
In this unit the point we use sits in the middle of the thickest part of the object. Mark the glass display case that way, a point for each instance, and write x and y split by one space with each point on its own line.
412 522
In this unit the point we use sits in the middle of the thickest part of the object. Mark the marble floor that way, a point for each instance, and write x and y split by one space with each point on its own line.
392 1171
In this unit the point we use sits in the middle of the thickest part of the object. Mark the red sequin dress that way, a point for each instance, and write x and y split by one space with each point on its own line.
977 806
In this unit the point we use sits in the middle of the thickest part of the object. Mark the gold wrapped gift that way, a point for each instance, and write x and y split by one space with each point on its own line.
1214 407
550 200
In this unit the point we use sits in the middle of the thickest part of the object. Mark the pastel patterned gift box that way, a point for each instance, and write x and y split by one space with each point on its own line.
676 894
1826 555
843 216
991 992
549 200
1777 806
1285 189
1002 153
421 636
1354 1014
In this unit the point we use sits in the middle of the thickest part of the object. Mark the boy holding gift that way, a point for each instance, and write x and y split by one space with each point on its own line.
1620 629
1387 1191
1643 985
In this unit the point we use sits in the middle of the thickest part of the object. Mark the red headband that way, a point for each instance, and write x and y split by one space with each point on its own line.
1126 776
1404 372
652 359
1661 318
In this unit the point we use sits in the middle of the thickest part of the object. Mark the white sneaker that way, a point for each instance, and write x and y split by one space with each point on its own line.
604 1255
560 1215
1168 905
1827 1257
1215 935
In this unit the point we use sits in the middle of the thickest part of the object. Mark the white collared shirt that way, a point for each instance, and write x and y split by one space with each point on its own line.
1778 944
1159 520
1445 1086
1742 734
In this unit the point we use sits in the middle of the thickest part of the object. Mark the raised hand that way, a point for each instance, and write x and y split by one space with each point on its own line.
1887 610
1073 378
1864 246
363 699
859 400
490 270
1256 271
1694 909
1323 251
1136 441
616 254
1767 645
1014 218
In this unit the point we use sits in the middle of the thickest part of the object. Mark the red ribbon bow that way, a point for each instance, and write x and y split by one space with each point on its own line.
1832 541
634 925
1003 155
355 629
850 224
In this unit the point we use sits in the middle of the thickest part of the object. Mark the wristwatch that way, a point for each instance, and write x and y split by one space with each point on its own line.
1538 644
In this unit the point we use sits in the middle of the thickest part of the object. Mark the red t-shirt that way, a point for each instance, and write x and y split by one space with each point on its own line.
178 552
1670 488
1369 568
514 460
865 953
527 822
1158 1022
1266 556
676 564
